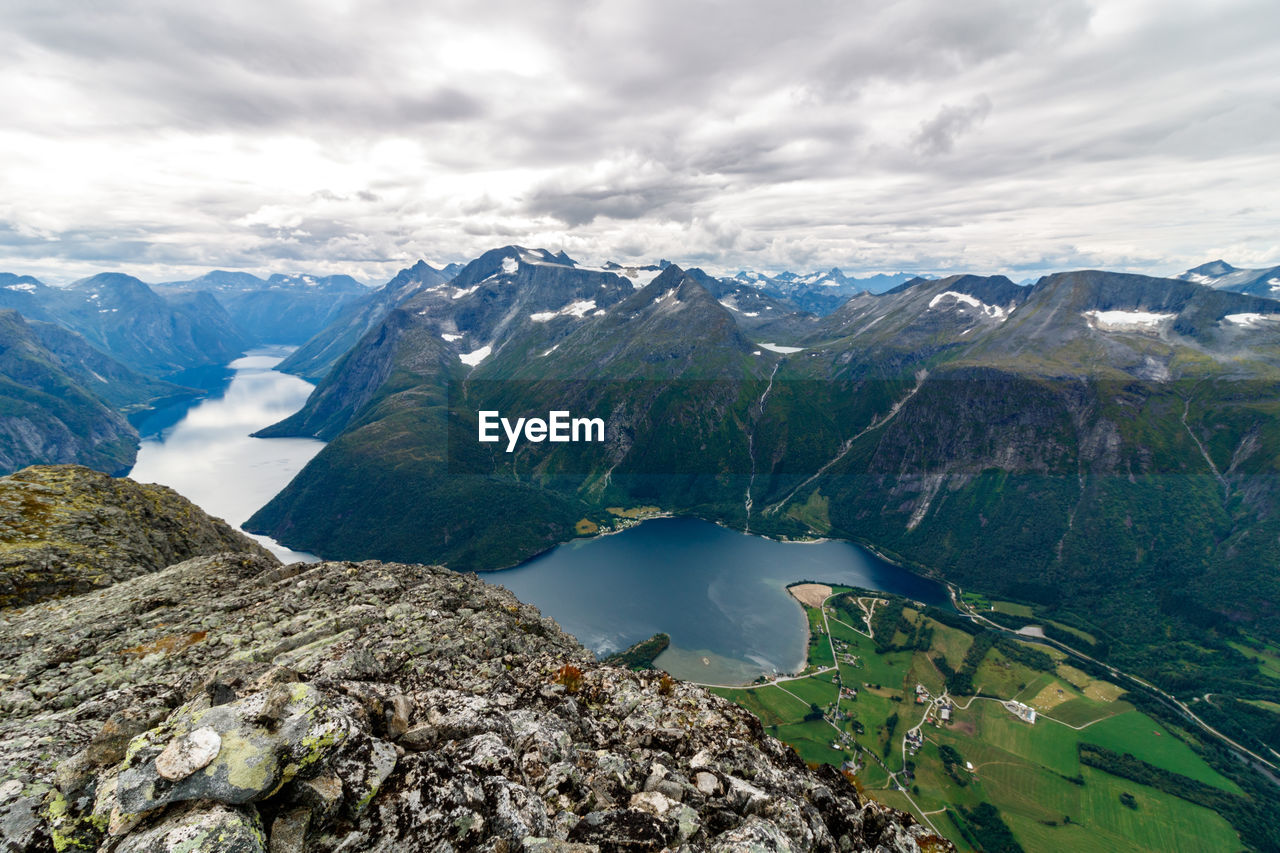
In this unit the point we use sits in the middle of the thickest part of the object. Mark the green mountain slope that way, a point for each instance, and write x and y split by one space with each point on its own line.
46 415
1101 446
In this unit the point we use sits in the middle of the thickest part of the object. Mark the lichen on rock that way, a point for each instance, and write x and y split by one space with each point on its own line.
373 706
67 529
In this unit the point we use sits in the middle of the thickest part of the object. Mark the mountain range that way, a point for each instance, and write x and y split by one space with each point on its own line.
1221 275
933 419
81 360
1000 435
281 309
1098 448
819 292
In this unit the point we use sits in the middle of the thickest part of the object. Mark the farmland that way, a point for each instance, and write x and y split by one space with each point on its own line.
897 672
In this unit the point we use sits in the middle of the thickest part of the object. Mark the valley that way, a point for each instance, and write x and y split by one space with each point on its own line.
1092 457
901 699
640 427
203 449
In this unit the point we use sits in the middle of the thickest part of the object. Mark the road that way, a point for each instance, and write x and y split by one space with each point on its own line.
1242 751
779 680
894 781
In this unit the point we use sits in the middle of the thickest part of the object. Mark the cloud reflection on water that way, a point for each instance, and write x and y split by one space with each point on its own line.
210 458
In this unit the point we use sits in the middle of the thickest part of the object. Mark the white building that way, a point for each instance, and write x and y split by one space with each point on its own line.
1021 711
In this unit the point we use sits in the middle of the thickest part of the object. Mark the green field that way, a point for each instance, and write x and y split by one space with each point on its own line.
1268 659
1142 737
1031 772
817 690
771 705
1010 607
812 741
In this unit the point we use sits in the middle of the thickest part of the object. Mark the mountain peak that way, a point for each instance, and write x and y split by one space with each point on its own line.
226 279
117 280
669 277
1213 269
535 256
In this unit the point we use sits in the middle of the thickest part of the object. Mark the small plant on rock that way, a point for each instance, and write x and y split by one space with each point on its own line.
666 685
570 676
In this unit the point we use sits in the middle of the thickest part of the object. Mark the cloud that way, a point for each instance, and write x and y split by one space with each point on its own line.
921 135
938 135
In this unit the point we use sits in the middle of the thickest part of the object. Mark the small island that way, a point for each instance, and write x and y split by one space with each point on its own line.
642 654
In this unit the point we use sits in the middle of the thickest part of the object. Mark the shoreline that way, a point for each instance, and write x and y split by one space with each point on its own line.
623 524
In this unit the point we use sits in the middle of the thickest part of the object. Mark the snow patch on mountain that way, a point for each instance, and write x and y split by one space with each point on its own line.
994 311
578 309
475 356
1119 321
640 278
1251 320
782 349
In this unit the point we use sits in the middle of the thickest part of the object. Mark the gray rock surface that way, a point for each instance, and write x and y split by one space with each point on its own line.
371 706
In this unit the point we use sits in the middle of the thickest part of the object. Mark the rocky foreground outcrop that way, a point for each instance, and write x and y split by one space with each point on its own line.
230 703
68 529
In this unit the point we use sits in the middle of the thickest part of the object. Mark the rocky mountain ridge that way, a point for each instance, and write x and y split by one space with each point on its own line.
66 529
317 356
229 703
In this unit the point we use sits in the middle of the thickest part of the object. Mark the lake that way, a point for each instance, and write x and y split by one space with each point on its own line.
202 449
721 595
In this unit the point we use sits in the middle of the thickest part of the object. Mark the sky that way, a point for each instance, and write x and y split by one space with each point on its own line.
164 139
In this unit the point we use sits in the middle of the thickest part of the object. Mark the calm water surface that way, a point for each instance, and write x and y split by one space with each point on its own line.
205 453
721 595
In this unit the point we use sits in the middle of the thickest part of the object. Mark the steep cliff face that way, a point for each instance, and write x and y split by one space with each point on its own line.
231 703
65 529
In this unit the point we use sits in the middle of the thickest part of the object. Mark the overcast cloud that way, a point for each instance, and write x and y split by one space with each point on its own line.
164 139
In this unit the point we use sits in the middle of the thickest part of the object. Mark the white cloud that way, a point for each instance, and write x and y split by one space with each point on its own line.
997 135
